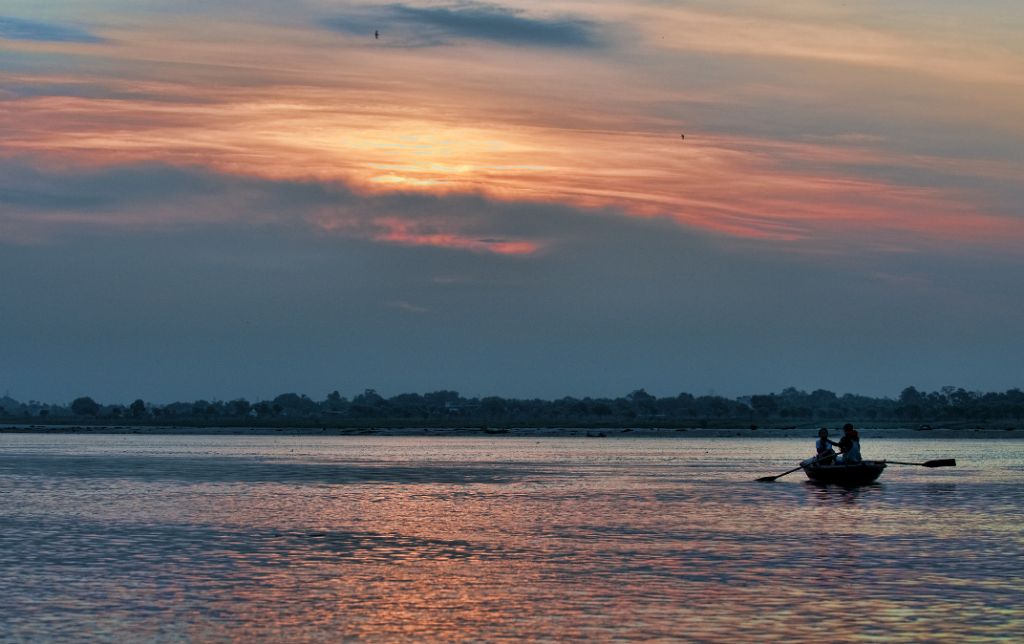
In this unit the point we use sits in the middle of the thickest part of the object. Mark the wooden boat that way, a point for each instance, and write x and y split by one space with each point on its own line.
848 475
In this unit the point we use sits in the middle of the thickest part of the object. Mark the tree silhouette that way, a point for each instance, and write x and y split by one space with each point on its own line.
138 408
85 406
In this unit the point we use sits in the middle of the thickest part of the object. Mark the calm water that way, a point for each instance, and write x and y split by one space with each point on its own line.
133 538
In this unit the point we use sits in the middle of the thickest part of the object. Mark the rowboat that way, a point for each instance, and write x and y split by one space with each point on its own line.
851 474
847 475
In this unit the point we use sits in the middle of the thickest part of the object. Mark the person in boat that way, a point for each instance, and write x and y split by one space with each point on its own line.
849 445
823 446
824 454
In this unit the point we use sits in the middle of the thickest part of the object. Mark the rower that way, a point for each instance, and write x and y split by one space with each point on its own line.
849 445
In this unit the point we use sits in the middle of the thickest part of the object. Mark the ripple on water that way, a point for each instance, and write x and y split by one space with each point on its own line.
205 538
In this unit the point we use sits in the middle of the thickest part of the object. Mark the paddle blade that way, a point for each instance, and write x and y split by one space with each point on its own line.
943 462
767 479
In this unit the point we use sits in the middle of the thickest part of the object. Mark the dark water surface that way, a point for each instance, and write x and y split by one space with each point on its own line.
167 538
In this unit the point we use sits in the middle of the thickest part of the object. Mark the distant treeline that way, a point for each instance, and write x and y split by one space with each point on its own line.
789 407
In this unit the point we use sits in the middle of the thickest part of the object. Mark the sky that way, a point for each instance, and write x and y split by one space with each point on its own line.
240 198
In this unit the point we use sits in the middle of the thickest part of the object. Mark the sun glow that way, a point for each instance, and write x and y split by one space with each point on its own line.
278 103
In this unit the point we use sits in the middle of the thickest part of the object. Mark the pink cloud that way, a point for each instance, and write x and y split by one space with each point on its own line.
397 231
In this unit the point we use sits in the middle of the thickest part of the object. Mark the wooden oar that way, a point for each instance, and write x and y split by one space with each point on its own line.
769 479
942 462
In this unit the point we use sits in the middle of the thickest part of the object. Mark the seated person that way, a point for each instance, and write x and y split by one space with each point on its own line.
824 454
849 445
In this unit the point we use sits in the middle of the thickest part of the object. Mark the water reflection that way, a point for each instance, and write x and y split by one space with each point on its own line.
254 470
489 539
832 495
940 493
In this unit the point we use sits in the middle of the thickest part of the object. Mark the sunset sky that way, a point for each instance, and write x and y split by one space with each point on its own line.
243 197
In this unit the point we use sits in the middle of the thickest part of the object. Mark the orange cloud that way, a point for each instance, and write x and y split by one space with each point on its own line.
595 131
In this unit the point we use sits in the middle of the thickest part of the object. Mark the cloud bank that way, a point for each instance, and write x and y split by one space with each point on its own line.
313 286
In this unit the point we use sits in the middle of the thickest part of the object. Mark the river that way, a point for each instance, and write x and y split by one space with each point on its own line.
262 538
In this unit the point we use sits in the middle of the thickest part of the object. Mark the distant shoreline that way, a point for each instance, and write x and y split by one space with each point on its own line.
547 432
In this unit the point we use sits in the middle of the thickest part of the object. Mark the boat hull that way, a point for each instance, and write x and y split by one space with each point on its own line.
861 473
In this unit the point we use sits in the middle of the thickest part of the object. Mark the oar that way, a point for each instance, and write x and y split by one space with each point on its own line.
769 479
942 462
